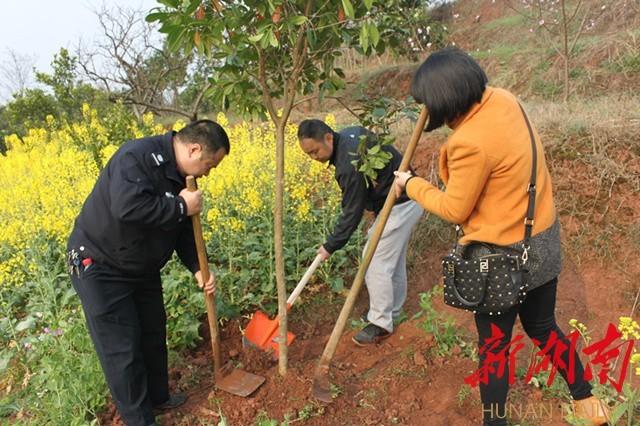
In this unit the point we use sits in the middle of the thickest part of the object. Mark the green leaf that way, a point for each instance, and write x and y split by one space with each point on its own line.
155 16
311 37
170 3
298 20
229 89
264 43
368 4
618 412
192 5
256 38
378 112
374 34
175 40
28 322
348 9
273 40
337 285
364 38
5 357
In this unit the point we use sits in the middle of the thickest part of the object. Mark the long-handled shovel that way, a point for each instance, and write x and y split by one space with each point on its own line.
321 385
228 379
262 332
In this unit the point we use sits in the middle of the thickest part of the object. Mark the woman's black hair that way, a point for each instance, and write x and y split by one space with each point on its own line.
207 133
314 129
449 82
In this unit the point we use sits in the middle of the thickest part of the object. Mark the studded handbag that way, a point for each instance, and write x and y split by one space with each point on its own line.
497 280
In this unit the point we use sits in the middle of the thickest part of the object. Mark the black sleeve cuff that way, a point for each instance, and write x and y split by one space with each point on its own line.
407 181
330 247
182 208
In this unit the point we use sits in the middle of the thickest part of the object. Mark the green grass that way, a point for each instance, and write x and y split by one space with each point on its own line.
501 52
628 63
506 21
446 333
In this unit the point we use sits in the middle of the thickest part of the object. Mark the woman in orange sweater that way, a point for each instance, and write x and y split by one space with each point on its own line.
486 167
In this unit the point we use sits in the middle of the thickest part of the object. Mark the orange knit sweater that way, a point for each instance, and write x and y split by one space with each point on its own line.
486 166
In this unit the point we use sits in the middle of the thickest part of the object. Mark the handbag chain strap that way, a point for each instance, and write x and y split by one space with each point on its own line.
531 190
528 220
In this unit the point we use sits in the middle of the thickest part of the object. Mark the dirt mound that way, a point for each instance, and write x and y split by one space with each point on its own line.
392 82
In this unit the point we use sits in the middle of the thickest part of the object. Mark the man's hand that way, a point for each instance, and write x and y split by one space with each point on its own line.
209 286
193 200
401 182
324 254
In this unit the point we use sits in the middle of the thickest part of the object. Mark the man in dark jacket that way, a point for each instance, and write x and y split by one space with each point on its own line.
386 277
135 217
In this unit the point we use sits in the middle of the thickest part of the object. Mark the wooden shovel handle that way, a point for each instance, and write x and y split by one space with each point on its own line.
210 300
329 350
304 280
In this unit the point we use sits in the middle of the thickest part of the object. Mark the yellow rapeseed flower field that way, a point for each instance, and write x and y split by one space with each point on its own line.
46 175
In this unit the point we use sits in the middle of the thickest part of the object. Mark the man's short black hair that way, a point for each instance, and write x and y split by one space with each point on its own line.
314 129
207 133
449 82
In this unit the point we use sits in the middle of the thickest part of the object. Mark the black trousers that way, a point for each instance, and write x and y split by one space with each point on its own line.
537 315
127 323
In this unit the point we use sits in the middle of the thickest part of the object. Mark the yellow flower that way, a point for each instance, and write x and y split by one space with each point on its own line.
50 120
629 328
107 152
44 178
178 125
147 119
330 119
46 175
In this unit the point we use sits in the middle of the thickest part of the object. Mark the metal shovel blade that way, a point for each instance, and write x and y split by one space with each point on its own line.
263 333
238 382
321 385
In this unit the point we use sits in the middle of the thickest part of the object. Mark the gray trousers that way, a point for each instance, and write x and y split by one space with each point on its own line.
386 277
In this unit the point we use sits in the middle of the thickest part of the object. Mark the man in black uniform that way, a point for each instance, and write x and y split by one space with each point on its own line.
135 217
386 277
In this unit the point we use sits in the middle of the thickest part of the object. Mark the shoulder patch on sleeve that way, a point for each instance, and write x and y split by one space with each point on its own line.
158 158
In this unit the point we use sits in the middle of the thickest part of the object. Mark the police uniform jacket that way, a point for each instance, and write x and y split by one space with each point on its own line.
134 218
357 196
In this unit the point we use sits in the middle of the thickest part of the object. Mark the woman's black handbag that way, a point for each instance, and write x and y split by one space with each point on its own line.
498 280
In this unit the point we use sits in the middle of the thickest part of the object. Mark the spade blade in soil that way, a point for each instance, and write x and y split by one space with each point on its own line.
263 333
238 382
321 386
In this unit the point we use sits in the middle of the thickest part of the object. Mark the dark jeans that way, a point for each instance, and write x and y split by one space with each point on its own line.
538 320
127 323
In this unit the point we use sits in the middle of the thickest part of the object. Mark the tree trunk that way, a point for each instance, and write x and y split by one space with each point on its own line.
279 247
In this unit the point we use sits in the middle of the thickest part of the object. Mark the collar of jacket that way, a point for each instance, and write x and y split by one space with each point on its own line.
488 91
334 149
171 168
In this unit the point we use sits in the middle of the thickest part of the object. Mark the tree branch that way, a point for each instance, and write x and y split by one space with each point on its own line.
345 106
262 78
156 108
298 62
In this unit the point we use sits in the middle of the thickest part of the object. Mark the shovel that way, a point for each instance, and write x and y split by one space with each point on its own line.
321 385
262 332
227 378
